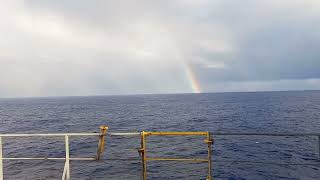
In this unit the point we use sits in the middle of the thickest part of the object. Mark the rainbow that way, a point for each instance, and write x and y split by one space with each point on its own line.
191 75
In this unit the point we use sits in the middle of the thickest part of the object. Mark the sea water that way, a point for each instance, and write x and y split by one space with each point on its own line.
233 156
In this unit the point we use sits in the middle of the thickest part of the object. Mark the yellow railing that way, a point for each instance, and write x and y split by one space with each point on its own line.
101 147
143 150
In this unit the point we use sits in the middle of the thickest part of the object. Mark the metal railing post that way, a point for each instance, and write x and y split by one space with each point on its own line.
67 157
209 141
101 145
1 160
66 170
143 155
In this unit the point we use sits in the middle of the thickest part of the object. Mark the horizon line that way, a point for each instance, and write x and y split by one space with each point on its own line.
141 94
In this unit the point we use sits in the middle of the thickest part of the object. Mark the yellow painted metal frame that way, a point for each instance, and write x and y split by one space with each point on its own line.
143 151
101 144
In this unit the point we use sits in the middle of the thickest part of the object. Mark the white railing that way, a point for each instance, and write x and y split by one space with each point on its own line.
67 158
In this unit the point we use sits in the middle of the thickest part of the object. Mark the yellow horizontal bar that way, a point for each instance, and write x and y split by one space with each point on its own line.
177 159
176 133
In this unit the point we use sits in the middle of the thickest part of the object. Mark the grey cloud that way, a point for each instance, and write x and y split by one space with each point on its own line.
128 47
272 42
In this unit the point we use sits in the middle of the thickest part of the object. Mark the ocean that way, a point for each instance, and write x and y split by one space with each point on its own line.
234 157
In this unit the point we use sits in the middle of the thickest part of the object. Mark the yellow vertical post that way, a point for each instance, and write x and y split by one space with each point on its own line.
143 154
101 145
209 141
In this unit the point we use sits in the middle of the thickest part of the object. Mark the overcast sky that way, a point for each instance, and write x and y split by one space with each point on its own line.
101 47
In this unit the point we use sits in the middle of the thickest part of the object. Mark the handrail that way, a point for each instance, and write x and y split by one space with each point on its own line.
67 158
143 135
138 134
125 134
264 134
50 135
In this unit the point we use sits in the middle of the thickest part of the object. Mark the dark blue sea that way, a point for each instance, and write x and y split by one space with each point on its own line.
233 157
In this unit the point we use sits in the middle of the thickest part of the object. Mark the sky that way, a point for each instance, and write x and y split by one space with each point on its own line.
107 47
